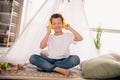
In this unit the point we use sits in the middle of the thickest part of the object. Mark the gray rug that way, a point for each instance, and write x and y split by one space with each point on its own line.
30 73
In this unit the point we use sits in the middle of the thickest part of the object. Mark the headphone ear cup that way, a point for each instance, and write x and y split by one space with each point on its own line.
50 25
64 25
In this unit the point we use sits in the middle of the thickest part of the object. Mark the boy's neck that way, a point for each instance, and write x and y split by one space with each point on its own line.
57 34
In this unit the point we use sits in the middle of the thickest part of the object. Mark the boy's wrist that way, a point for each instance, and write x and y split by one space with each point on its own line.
71 29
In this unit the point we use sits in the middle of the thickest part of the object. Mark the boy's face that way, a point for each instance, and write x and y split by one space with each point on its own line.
57 24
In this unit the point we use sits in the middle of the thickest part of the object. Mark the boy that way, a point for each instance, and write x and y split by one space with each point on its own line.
59 59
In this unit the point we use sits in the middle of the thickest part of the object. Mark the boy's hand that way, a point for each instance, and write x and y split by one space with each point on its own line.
48 29
68 27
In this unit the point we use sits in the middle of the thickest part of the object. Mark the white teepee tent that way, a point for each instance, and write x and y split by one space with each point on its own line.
29 40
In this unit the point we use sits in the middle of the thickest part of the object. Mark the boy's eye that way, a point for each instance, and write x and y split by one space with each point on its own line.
54 24
59 23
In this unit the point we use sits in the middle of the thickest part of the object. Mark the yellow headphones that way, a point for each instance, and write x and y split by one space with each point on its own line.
51 27
63 24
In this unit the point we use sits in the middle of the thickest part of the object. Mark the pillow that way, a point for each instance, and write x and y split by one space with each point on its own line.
116 56
104 66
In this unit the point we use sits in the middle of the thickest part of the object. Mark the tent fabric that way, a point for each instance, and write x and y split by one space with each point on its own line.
29 40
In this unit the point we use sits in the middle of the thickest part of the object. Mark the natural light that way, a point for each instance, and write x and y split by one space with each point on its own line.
107 14
60 39
103 12
98 12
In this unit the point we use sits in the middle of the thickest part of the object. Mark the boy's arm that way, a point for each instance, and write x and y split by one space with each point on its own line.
77 36
43 43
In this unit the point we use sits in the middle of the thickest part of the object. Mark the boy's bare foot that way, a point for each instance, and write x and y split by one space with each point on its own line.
62 71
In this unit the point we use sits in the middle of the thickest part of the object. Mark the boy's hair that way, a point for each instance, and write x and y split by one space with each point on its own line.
56 15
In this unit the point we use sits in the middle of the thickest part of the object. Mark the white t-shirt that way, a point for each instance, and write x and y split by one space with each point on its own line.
59 46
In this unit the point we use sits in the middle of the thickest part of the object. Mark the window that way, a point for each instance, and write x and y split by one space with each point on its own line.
107 14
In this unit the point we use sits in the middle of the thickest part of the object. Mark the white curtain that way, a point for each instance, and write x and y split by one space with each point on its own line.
29 40
26 14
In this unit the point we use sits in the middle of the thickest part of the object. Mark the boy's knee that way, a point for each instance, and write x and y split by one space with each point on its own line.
32 58
75 59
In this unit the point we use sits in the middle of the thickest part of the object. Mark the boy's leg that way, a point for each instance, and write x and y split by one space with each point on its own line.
43 63
59 66
69 62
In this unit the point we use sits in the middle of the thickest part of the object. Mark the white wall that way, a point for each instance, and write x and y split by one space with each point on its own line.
104 12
